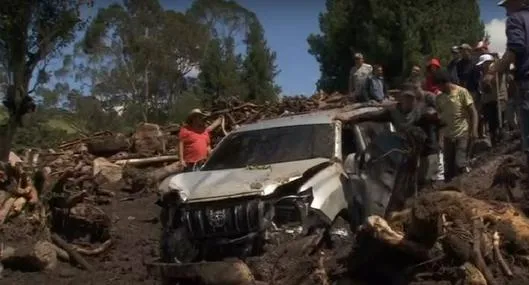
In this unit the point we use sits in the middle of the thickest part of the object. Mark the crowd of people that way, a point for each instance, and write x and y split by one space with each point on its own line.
454 105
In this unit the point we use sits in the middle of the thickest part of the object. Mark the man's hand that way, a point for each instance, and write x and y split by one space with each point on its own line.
183 163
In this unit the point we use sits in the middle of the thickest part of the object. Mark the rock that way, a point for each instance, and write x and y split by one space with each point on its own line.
110 171
148 140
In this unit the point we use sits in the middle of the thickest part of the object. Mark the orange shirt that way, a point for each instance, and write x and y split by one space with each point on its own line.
195 144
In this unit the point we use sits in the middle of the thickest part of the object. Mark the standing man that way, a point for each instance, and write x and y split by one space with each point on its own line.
358 75
517 29
493 98
411 111
465 65
376 88
416 76
194 140
452 65
456 110
431 68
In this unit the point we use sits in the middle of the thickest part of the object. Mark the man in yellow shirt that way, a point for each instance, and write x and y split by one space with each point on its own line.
457 112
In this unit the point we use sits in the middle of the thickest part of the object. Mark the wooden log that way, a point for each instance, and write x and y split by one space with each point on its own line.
148 160
107 146
209 273
159 174
74 255
6 208
95 251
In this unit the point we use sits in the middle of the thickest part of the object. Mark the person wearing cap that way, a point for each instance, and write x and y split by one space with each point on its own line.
452 65
194 140
458 114
358 76
493 96
465 65
433 65
410 111
516 28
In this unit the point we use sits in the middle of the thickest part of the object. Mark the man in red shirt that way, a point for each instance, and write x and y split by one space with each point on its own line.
429 84
194 140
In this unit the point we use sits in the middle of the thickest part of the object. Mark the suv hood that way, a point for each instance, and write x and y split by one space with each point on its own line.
219 184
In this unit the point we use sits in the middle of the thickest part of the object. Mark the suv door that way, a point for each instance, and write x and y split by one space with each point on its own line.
387 174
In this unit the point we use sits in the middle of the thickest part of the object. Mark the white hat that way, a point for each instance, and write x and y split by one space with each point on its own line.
197 112
502 2
484 58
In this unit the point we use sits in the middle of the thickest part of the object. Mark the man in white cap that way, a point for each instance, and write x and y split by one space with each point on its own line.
194 140
358 76
517 29
493 96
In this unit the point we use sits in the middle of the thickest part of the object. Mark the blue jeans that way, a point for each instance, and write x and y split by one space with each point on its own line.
523 115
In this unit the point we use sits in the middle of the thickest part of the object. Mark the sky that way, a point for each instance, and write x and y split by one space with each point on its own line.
287 25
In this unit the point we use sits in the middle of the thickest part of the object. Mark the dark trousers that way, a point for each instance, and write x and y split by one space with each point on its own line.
490 114
428 167
523 119
455 157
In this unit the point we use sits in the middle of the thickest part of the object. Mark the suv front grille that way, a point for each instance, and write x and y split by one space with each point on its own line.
224 220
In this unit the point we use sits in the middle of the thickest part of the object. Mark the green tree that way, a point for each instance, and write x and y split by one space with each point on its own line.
143 66
393 33
31 32
259 65
220 71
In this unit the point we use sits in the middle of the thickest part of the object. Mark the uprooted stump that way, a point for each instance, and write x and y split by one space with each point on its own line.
445 233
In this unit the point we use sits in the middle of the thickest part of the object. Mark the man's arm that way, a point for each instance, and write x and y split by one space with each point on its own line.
515 31
468 104
215 124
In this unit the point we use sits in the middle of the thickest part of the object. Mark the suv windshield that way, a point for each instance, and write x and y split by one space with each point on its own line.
274 145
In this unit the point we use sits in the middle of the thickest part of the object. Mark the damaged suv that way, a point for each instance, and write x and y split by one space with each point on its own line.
302 170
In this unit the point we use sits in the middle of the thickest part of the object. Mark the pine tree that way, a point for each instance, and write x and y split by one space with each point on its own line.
209 81
259 66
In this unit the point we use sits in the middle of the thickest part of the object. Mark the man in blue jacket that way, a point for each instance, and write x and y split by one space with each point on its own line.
517 29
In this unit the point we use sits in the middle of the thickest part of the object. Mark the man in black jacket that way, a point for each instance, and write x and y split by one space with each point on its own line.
452 65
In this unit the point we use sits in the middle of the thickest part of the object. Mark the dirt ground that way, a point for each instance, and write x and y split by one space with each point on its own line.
136 231
135 236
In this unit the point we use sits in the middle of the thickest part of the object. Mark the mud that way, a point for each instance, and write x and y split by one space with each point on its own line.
136 231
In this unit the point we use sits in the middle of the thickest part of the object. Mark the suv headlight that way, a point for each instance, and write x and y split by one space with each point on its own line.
182 194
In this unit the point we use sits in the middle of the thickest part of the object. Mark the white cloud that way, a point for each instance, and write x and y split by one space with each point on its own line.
496 29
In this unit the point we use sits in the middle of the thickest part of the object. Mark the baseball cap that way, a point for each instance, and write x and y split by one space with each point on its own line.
502 2
455 49
359 55
484 58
